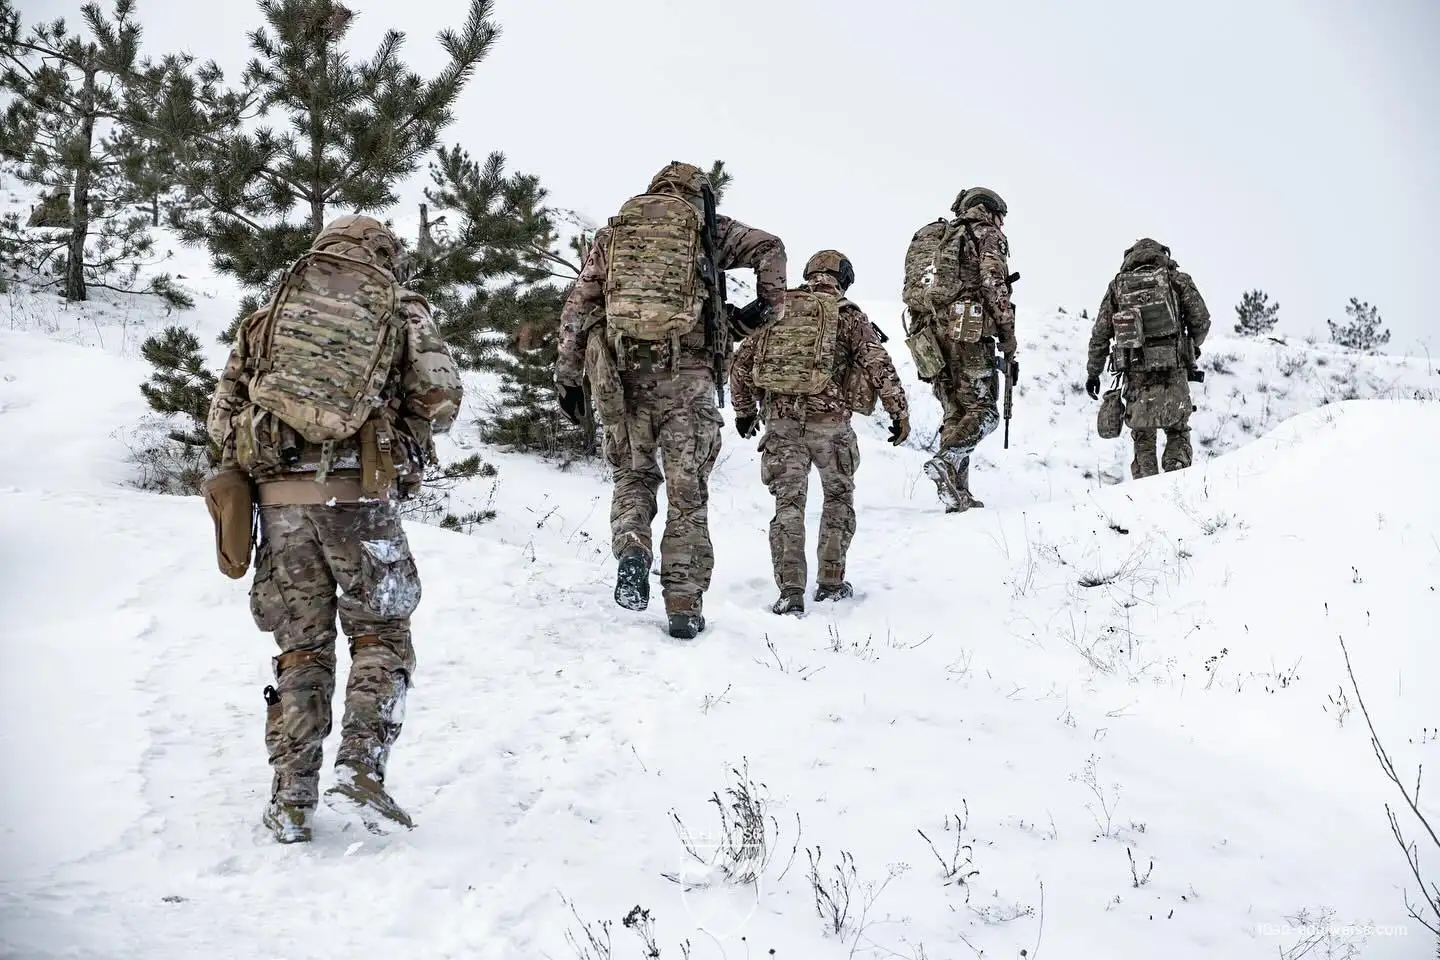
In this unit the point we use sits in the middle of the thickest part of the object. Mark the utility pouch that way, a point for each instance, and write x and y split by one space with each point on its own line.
966 321
925 350
607 393
377 459
230 498
1111 416
1128 332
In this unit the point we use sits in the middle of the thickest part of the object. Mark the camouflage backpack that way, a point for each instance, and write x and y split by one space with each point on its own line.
932 269
795 355
325 347
1146 319
653 290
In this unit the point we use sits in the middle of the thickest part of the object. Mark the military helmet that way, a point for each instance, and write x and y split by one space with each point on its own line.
1148 244
684 179
832 262
367 232
991 200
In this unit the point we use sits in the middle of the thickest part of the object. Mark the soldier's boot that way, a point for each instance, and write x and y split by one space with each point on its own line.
833 591
791 601
359 792
632 580
289 822
968 499
937 468
686 620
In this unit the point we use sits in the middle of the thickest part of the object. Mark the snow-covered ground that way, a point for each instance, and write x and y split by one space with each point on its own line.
1085 673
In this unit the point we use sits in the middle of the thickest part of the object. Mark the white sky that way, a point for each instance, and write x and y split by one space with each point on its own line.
1288 144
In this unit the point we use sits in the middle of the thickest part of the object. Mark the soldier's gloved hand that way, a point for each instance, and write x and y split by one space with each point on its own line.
899 429
1008 345
1092 387
572 402
747 426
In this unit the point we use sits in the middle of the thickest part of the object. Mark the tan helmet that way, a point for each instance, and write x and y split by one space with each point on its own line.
832 262
682 179
366 232
984 196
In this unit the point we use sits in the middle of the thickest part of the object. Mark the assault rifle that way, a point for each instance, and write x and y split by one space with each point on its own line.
1011 374
717 316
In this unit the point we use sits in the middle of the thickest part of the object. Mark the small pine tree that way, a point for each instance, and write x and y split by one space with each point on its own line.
720 180
1362 331
179 389
1256 315
351 131
64 124
494 284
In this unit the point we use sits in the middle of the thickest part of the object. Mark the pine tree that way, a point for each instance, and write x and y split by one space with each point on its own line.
69 94
348 132
1362 331
498 285
175 458
1256 315
720 180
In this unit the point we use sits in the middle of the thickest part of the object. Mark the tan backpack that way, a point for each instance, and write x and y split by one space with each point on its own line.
932 269
653 289
795 355
326 346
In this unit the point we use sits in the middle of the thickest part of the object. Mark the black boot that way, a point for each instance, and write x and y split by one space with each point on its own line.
835 591
632 580
789 603
686 626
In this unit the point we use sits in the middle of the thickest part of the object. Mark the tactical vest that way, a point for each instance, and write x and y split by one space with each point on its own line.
1146 319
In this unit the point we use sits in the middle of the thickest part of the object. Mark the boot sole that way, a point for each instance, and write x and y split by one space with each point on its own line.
632 584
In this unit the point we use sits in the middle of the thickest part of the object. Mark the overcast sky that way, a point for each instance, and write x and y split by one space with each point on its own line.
1292 145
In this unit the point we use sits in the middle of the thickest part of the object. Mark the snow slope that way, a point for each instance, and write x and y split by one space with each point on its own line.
1183 712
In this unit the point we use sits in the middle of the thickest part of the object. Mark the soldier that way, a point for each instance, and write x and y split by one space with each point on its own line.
958 291
633 323
332 541
810 372
1158 320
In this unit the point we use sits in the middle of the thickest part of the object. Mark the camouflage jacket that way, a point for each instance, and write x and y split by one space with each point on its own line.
422 397
858 351
740 246
1194 315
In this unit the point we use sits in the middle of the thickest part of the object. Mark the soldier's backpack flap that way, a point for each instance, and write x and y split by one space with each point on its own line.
795 355
1111 416
327 346
230 498
653 287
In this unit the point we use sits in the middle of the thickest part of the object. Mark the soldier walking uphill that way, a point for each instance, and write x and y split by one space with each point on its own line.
957 292
324 415
809 372
645 323
1157 320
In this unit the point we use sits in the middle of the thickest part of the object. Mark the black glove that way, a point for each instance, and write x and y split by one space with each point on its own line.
746 426
572 403
1092 387
749 318
899 430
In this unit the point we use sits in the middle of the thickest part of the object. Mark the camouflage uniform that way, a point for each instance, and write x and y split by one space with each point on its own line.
320 537
669 410
1154 399
814 430
968 387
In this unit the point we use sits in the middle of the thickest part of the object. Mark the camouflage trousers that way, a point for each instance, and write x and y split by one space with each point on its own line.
1154 401
671 424
967 391
788 451
307 554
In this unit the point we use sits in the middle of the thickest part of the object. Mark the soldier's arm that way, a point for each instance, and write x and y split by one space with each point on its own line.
994 251
874 360
743 246
1192 306
1100 336
742 380
430 386
230 391
584 308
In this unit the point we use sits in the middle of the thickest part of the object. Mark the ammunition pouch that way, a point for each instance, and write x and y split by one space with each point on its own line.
925 350
607 392
965 321
230 498
377 458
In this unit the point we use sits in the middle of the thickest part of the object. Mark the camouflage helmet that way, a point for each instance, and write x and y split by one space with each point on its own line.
984 196
1145 245
832 262
682 179
366 232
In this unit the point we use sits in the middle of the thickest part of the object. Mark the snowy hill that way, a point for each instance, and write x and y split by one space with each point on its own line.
1084 674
